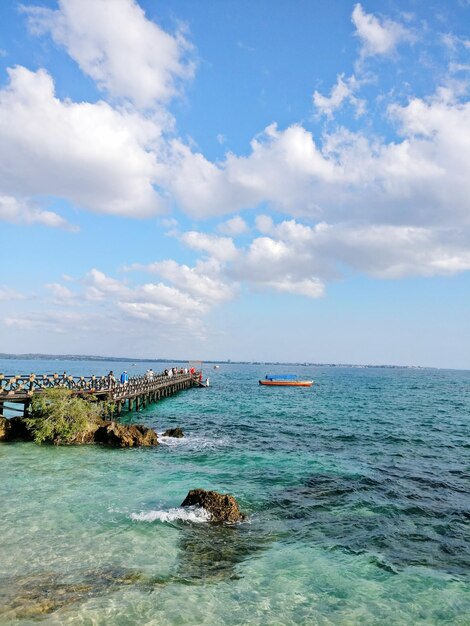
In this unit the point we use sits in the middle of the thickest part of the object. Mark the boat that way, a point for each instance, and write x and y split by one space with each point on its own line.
285 380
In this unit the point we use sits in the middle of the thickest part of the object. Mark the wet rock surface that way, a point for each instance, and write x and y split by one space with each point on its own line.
222 507
173 432
125 436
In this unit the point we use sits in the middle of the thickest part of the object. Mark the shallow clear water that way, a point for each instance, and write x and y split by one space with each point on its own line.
357 492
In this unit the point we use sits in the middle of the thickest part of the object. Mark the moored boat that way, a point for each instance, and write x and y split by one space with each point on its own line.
285 380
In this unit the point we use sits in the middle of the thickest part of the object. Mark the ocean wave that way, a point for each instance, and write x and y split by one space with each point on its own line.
192 514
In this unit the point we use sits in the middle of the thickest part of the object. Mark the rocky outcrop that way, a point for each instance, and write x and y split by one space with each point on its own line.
125 435
107 433
3 428
14 429
173 432
222 507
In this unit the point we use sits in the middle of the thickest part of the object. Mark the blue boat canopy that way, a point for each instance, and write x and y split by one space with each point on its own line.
282 377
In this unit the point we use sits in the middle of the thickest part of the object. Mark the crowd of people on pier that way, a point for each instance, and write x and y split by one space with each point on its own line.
149 375
173 371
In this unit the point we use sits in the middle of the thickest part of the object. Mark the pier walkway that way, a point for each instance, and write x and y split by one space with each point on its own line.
137 392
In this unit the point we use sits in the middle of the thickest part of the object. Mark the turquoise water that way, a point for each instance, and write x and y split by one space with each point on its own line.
357 493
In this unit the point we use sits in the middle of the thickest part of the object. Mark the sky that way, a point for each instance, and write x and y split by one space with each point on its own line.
280 180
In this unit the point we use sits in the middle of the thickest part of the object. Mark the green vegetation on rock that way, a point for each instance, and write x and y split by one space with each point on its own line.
62 417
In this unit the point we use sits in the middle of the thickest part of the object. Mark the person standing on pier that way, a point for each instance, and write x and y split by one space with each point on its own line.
124 378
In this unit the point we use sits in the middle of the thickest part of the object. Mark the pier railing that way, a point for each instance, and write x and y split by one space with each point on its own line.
22 387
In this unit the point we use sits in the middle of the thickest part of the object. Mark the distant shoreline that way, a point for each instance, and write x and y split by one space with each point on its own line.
84 357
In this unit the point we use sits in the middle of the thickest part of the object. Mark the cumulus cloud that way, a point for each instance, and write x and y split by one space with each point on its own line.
107 304
99 285
419 179
118 47
191 292
61 293
18 211
93 155
374 205
378 37
341 92
201 281
280 164
234 226
382 251
220 248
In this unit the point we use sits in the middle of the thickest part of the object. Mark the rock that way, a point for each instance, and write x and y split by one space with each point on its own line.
109 433
222 507
125 435
173 432
87 435
14 429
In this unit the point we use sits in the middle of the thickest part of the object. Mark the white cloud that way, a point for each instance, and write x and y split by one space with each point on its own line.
118 47
234 226
191 293
108 305
95 156
220 248
309 287
276 171
203 281
169 296
278 264
100 286
18 211
151 313
7 294
453 42
60 292
378 37
382 251
54 321
342 91
419 179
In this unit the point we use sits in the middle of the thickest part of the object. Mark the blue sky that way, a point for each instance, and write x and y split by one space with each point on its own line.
236 180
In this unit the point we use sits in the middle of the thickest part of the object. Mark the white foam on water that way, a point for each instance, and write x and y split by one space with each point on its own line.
193 514
194 442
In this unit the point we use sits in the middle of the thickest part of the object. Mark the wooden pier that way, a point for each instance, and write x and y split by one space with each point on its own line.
136 393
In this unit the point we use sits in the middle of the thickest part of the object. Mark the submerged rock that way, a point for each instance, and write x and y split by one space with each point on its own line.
33 596
125 435
173 432
222 507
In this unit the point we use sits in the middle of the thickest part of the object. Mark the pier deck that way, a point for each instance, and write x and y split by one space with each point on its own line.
137 392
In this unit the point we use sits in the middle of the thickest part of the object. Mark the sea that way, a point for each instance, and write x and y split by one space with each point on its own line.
356 491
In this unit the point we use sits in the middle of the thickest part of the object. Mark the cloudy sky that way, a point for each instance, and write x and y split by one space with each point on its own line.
271 180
